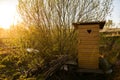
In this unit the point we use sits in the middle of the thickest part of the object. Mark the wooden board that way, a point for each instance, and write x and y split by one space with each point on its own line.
88 47
88 26
91 63
91 43
88 51
85 31
88 57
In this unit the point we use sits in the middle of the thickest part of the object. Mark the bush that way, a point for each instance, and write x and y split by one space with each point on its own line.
45 45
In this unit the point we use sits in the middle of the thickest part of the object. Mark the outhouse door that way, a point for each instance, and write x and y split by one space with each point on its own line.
88 46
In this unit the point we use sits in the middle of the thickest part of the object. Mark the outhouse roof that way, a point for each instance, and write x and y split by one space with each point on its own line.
100 23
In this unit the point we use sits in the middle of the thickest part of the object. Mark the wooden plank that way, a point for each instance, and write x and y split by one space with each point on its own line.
83 51
92 31
89 50
89 43
95 66
91 54
89 38
86 33
88 27
85 65
88 47
88 63
87 59
89 66
82 35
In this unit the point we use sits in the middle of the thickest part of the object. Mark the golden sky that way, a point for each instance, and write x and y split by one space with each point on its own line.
7 12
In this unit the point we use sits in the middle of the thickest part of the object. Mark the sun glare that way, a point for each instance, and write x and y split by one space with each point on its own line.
7 13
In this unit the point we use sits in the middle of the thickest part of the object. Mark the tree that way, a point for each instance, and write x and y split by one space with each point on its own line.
63 12
54 19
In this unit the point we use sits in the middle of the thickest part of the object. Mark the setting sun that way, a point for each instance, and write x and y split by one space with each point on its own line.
7 13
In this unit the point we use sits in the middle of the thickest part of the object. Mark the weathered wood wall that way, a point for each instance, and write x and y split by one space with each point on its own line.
88 47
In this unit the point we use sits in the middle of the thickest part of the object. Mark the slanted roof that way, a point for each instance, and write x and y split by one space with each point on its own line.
100 23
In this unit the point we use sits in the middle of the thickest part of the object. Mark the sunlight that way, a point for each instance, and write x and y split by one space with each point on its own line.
7 13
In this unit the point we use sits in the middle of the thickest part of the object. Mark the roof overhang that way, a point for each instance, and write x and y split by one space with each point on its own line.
100 23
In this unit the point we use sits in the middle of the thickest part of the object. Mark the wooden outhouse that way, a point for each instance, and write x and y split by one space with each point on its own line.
88 44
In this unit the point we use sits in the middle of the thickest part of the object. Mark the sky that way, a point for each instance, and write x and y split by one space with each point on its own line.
8 12
115 15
